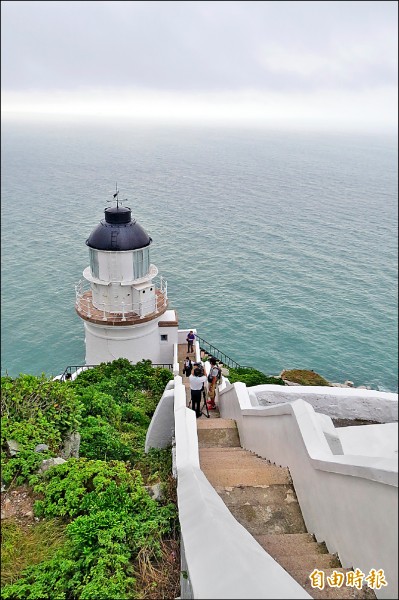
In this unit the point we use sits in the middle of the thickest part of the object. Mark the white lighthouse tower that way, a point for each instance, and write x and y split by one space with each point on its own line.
122 301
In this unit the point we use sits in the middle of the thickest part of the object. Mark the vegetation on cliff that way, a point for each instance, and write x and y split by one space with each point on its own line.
252 377
304 377
100 533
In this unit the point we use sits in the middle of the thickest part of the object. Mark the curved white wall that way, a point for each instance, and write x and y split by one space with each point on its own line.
161 430
135 342
338 403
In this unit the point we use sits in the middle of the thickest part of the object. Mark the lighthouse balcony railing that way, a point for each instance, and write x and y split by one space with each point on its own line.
120 311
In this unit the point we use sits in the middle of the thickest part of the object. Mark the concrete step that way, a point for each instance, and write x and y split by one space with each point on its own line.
309 562
209 455
231 461
334 593
258 495
290 544
219 424
220 451
213 414
182 353
217 433
260 520
255 476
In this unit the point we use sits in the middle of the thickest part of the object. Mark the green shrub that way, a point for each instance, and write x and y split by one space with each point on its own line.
119 378
29 397
118 399
99 404
111 519
252 377
100 440
34 410
132 413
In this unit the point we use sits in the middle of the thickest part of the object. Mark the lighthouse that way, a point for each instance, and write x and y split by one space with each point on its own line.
121 299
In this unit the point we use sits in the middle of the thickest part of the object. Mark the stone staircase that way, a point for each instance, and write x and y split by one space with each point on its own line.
261 497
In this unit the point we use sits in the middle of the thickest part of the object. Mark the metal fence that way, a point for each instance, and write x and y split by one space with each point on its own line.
218 354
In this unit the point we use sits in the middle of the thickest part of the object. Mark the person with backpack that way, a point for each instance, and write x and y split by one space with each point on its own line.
214 376
187 367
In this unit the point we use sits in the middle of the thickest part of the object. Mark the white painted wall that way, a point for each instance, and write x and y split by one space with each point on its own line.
370 440
350 502
161 430
339 403
176 366
134 342
167 349
114 298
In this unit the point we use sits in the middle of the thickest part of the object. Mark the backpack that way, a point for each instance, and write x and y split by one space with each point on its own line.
218 376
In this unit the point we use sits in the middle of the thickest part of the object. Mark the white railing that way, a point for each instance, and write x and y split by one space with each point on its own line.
122 311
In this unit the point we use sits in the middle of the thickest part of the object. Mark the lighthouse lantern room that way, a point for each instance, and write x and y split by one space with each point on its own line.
121 299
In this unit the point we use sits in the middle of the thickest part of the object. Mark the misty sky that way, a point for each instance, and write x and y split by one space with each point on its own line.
312 64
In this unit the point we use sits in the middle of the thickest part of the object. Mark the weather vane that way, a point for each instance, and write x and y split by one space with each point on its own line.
115 196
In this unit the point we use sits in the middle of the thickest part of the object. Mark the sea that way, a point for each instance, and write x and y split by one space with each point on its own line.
279 247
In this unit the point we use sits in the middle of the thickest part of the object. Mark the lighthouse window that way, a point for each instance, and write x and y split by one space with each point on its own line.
164 338
94 263
141 262
146 260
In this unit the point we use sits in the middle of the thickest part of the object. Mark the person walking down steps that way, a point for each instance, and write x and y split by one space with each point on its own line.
213 377
197 381
190 341
187 367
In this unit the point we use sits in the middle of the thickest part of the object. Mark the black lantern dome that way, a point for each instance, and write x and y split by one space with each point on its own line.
118 231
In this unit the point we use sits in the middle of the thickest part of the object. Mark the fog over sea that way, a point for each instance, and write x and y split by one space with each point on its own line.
279 247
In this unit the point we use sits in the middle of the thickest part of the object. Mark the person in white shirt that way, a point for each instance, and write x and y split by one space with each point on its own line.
197 383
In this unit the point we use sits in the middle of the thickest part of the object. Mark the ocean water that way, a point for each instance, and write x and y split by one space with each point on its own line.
280 248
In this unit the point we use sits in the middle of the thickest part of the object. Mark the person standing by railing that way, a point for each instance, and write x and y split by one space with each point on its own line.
190 341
